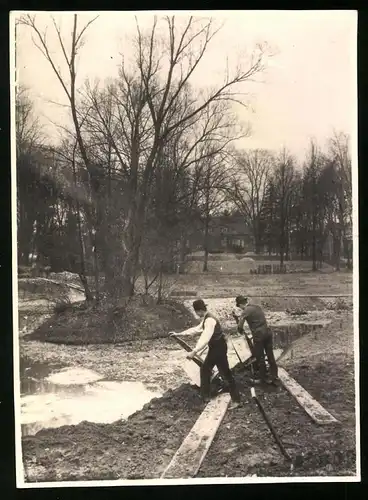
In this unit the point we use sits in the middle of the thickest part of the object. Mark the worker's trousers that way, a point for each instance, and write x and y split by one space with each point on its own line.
217 356
263 344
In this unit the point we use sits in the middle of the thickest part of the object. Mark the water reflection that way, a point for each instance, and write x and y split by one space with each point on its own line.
46 404
285 335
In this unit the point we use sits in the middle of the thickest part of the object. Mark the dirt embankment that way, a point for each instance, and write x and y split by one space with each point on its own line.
79 324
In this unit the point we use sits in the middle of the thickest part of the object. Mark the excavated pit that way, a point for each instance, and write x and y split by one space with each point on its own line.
141 446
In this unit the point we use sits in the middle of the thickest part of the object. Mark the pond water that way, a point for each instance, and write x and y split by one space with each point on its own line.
72 395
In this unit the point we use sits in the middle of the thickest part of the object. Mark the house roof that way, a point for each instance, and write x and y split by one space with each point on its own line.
235 222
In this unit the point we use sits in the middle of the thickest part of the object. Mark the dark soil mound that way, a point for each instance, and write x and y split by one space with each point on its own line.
80 324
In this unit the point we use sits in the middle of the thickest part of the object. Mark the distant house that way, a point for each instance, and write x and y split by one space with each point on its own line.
226 233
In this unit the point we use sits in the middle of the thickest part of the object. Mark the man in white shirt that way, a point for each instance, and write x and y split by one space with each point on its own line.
213 337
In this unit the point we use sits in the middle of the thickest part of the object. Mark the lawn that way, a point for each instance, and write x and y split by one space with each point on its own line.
227 285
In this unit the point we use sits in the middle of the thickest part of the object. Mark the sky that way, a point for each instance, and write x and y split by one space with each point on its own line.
308 89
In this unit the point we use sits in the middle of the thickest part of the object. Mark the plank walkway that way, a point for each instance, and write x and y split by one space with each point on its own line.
188 459
314 409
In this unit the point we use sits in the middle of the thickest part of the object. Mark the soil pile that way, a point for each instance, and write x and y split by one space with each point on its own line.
79 324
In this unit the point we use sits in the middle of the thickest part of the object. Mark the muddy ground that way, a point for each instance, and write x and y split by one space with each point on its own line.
143 445
157 364
137 448
324 366
244 445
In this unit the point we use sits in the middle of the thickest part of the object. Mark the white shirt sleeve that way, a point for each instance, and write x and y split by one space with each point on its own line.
207 334
193 330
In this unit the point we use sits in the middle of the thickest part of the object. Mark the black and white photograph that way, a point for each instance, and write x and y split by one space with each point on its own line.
185 247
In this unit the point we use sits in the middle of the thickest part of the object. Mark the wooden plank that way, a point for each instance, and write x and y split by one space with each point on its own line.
192 371
189 457
314 409
191 367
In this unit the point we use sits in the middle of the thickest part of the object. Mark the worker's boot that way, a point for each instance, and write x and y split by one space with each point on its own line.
273 381
234 405
256 381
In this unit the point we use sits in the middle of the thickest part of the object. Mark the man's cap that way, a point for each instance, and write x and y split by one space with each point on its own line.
241 299
199 305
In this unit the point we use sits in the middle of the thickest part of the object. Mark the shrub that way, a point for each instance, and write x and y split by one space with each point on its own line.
338 305
62 306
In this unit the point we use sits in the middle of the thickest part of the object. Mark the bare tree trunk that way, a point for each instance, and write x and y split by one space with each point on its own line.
314 254
349 255
282 247
281 256
338 250
282 237
82 272
159 291
287 241
96 271
205 244
256 233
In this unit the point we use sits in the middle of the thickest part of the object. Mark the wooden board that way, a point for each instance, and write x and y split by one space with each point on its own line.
314 409
189 457
192 370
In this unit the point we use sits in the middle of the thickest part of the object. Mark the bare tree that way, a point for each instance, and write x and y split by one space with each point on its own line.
341 160
28 132
154 104
284 182
29 144
251 174
68 84
211 179
311 196
151 103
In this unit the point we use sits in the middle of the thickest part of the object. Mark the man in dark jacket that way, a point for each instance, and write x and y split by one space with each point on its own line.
262 338
213 337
